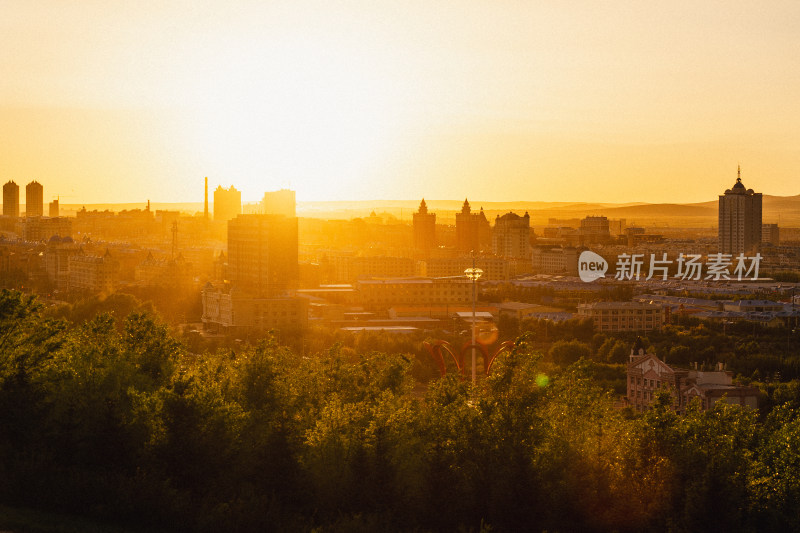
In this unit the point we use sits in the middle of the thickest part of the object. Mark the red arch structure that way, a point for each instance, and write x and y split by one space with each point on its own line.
435 348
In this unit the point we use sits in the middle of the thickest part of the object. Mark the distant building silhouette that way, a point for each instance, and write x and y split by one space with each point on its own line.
11 199
227 203
424 228
36 229
595 229
472 230
511 236
771 234
739 219
164 272
617 227
282 202
34 199
54 210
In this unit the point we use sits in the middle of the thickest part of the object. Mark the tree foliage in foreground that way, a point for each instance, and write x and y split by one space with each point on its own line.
117 420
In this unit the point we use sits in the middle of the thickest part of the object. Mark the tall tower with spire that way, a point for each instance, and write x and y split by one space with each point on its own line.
739 219
472 230
424 229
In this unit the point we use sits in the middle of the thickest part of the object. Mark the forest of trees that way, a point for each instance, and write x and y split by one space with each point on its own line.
114 418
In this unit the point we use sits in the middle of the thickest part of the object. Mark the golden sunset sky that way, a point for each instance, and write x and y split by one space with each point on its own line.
106 101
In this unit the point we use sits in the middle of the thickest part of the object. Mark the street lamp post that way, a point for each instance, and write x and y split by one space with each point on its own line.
789 326
473 274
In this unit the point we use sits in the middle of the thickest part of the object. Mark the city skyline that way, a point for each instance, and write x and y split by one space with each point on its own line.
399 266
577 102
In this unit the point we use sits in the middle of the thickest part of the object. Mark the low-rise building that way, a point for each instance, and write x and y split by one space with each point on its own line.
623 316
494 268
555 260
343 268
647 375
770 234
522 310
36 229
92 274
228 309
385 293
749 306
56 260
164 272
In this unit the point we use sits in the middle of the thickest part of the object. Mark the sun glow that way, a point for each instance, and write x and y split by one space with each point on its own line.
299 115
367 100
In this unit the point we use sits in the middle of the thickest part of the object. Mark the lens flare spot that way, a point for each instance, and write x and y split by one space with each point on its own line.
486 334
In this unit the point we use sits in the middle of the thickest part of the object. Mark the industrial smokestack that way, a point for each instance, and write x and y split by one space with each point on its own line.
205 208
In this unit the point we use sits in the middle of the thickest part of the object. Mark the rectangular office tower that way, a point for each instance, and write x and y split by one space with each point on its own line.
34 199
739 219
262 253
11 199
262 271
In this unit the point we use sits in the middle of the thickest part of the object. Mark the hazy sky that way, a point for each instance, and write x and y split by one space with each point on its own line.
106 101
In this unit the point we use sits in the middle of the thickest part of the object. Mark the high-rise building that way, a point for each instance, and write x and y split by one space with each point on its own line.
424 228
739 219
262 253
11 199
472 230
54 211
511 236
262 267
280 202
227 203
34 199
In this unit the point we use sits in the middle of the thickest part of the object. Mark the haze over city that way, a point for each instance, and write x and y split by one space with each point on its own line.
579 101
426 267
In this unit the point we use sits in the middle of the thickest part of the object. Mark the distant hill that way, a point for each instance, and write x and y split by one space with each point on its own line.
784 210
